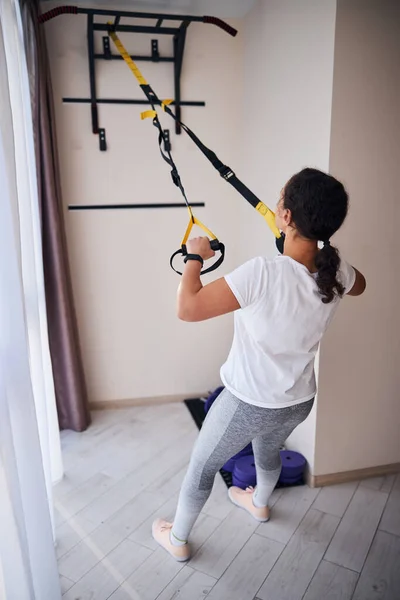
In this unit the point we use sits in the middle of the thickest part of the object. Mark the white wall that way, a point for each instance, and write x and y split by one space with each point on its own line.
288 52
358 419
133 345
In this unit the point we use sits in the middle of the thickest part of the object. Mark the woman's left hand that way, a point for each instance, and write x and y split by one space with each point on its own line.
201 246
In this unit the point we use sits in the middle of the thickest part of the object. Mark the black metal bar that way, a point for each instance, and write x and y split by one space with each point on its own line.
137 58
116 21
139 15
77 207
92 76
137 29
50 14
159 22
127 101
179 46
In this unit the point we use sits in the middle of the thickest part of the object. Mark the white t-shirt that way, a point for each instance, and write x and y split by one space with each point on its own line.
277 331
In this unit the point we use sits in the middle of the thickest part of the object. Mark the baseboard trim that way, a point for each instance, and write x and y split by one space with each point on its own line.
316 481
149 401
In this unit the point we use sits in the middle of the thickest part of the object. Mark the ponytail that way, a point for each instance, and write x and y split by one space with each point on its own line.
318 205
327 263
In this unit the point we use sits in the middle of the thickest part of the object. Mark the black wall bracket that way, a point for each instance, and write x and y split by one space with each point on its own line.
179 39
102 140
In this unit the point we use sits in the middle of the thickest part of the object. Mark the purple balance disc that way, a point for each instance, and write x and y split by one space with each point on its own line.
211 398
230 464
293 464
244 483
244 472
291 480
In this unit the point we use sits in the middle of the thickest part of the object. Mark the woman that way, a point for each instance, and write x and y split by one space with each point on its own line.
284 306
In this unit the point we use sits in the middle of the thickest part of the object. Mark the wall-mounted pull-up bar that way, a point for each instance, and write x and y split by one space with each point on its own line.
179 38
163 139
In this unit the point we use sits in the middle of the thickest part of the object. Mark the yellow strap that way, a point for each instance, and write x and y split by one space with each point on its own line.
205 229
165 103
131 64
195 221
269 216
148 114
187 232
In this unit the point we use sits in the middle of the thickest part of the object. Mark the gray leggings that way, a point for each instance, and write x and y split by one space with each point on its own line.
229 426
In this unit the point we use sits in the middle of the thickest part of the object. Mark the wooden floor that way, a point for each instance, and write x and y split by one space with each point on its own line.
336 543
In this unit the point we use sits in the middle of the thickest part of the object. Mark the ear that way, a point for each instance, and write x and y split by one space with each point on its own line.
286 216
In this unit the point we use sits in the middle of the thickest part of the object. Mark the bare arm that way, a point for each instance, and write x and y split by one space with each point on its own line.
198 303
359 285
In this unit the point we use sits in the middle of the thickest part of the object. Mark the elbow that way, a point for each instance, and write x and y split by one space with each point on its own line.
190 313
363 285
185 313
359 286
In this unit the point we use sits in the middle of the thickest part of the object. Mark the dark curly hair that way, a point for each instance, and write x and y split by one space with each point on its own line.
319 204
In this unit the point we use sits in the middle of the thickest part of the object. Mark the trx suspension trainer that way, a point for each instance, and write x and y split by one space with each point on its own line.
225 172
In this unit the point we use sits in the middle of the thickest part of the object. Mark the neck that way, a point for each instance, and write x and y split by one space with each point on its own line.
300 249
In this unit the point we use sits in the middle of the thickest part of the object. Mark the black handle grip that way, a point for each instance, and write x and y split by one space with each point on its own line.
54 12
221 24
216 245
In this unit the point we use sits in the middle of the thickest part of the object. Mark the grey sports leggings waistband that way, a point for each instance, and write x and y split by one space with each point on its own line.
229 426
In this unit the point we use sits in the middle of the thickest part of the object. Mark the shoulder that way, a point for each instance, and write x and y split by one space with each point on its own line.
252 269
250 280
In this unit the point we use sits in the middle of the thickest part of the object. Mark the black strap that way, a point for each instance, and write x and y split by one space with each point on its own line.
225 171
193 257
280 242
218 263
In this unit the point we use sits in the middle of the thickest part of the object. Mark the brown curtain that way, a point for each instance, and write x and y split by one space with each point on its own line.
69 380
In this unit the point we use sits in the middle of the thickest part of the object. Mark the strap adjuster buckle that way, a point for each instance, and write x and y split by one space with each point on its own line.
175 177
226 173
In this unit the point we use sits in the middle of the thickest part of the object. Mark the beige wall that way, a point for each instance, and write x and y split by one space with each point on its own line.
287 117
358 418
280 120
133 344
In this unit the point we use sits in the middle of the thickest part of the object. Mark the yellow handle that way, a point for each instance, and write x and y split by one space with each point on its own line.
195 221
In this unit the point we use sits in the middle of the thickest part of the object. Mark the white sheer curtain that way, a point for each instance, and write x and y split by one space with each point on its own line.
30 455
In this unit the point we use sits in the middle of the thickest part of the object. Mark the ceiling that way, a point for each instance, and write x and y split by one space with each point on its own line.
218 8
